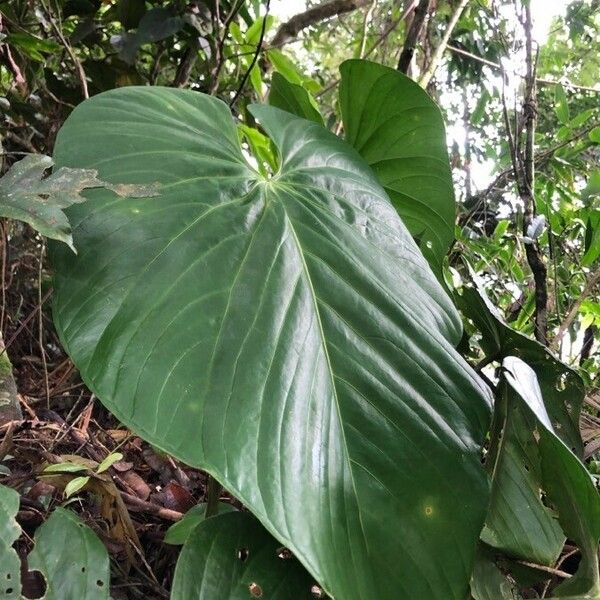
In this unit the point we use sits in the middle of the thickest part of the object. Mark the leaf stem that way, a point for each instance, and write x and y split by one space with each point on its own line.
213 494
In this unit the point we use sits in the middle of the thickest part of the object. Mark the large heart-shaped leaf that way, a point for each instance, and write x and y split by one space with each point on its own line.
398 129
284 334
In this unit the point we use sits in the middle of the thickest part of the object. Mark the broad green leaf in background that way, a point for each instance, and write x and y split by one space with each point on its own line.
72 559
69 555
179 532
592 189
232 557
561 104
518 523
562 387
284 334
293 98
10 563
155 25
25 195
565 479
289 69
398 129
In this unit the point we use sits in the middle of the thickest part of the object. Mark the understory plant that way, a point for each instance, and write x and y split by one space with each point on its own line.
278 315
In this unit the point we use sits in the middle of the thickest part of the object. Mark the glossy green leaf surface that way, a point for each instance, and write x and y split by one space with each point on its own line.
398 129
518 523
293 98
284 334
232 557
10 563
565 480
72 559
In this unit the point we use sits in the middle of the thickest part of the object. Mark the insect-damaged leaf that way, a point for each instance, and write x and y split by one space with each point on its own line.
27 196
68 554
239 560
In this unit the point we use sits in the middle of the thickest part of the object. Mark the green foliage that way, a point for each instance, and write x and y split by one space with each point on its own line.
72 559
10 563
295 296
565 479
243 561
280 328
403 141
179 532
293 98
69 555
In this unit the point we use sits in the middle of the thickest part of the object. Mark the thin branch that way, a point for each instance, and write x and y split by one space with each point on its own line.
186 65
70 52
591 283
365 26
538 80
526 185
7 58
289 31
439 51
255 57
413 34
545 569
220 59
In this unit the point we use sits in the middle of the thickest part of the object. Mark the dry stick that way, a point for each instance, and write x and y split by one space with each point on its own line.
6 57
588 342
552 571
439 51
413 34
365 25
592 281
289 30
24 323
150 507
254 58
70 52
41 329
186 65
532 251
221 45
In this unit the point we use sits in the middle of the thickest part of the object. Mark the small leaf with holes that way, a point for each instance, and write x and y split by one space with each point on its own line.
238 559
